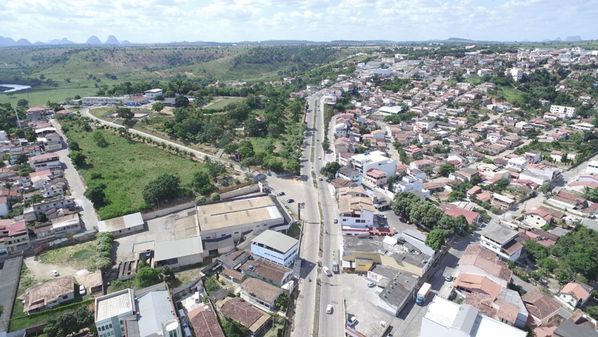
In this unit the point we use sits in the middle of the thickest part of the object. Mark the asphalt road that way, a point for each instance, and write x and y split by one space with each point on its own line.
76 185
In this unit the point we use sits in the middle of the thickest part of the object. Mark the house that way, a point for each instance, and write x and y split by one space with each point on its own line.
506 307
15 235
465 174
45 161
267 271
569 200
575 295
356 211
542 216
579 325
375 177
449 319
517 163
48 294
348 173
502 240
502 201
275 247
542 308
562 112
122 225
204 322
65 225
476 284
478 260
242 312
260 293
37 113
153 93
233 259
455 211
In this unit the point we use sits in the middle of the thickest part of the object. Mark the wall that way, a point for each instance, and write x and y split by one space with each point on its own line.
240 191
165 211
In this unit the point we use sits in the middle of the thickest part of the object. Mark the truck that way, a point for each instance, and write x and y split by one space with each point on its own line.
423 293
335 267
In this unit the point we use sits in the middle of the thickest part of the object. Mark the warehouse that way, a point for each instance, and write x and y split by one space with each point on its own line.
178 253
224 223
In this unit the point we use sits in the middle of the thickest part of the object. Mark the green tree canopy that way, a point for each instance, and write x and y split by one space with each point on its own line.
164 188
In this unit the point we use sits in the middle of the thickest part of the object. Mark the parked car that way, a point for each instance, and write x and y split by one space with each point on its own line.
352 320
280 194
290 200
82 290
55 273
371 284
327 271
335 220
329 309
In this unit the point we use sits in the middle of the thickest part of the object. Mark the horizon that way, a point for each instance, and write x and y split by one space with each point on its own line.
234 21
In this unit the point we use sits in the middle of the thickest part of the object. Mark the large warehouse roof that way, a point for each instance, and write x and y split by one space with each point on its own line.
276 240
237 212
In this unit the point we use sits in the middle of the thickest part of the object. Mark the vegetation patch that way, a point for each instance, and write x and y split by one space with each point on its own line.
80 256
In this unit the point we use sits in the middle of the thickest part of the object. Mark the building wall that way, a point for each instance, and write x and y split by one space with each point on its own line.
365 219
180 261
285 259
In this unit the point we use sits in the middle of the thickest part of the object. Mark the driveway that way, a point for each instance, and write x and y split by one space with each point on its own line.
76 185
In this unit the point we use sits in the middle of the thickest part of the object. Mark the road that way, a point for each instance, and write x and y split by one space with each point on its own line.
198 154
76 185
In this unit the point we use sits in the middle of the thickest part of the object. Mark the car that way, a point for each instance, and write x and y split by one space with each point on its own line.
371 284
352 320
327 271
54 273
448 278
290 200
329 309
82 290
280 194
335 220
320 179
319 158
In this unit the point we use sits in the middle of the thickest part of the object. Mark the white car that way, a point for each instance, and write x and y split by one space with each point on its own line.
327 271
54 273
329 309
82 290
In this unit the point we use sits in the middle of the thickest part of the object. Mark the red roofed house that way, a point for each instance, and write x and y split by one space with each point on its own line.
575 294
569 199
14 235
376 177
204 322
541 216
455 211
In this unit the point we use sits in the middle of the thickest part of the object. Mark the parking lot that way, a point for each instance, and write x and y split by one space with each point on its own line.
174 226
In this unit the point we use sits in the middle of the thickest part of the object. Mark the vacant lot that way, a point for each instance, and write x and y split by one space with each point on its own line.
220 103
81 256
124 167
20 320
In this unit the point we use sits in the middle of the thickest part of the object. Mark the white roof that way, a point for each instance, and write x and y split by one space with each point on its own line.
153 90
165 250
155 310
281 242
390 109
114 304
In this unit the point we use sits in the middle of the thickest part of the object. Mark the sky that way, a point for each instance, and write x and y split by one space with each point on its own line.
150 21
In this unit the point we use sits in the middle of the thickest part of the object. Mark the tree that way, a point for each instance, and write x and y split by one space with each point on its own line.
96 195
591 194
435 239
165 187
74 146
125 113
201 183
158 106
282 301
78 158
99 139
245 149
231 328
23 103
181 102
70 322
446 169
330 169
146 276
592 310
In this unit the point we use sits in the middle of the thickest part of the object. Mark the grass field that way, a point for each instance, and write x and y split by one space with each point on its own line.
512 95
220 103
20 320
81 256
125 167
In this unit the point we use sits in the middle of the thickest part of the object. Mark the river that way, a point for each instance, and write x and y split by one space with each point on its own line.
12 88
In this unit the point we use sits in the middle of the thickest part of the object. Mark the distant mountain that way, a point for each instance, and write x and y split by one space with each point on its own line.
6 41
23 42
62 41
123 42
93 40
575 38
112 40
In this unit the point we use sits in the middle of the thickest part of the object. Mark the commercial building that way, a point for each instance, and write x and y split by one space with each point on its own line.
224 223
114 313
147 312
449 319
276 247
398 292
122 225
356 211
48 294
178 253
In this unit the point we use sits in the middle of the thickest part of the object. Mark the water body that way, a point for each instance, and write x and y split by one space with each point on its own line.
7 88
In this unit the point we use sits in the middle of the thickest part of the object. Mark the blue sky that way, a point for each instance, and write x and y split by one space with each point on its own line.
319 20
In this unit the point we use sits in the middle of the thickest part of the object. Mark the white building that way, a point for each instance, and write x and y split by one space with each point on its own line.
113 312
517 163
178 253
102 100
390 110
152 93
502 240
275 247
516 73
448 319
122 225
592 167
562 112
364 162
